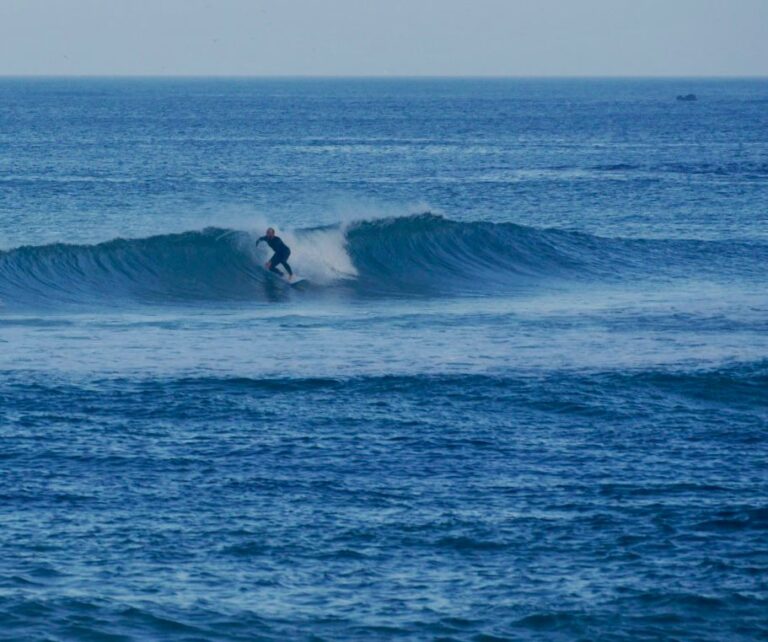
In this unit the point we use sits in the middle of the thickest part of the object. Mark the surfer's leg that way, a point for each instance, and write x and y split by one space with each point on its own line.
284 261
272 265
281 259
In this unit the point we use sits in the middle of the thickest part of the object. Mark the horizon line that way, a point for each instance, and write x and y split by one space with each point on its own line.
390 76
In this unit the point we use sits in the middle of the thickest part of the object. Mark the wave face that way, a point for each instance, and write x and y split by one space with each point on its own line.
428 250
172 267
420 254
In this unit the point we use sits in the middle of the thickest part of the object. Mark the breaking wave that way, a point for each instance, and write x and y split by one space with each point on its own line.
420 254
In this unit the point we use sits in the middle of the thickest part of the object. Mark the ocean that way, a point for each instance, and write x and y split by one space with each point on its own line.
523 394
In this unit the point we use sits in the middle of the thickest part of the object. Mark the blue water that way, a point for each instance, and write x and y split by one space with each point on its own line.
524 395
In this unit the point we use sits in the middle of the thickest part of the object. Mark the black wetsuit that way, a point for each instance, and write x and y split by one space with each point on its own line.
282 252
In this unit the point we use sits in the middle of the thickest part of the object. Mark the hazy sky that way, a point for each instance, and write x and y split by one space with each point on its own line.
384 37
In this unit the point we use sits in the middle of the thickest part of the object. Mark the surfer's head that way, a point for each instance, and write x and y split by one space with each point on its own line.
270 232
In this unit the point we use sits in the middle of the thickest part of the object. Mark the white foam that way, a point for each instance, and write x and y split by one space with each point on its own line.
318 255
321 255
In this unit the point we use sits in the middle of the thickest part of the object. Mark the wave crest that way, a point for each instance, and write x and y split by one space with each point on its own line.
420 254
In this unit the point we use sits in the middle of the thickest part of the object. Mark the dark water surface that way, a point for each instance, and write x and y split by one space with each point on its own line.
523 397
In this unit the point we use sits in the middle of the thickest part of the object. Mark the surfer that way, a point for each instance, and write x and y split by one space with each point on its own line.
281 253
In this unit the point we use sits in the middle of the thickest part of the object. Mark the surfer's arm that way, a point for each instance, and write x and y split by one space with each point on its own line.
259 240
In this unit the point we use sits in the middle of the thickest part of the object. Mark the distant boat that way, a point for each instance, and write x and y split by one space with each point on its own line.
687 97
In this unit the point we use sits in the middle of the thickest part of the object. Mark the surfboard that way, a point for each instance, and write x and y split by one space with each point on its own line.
297 282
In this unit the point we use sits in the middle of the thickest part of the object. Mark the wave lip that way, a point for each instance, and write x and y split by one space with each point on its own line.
412 255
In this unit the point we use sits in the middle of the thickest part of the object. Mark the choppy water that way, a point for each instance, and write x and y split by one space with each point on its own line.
524 396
